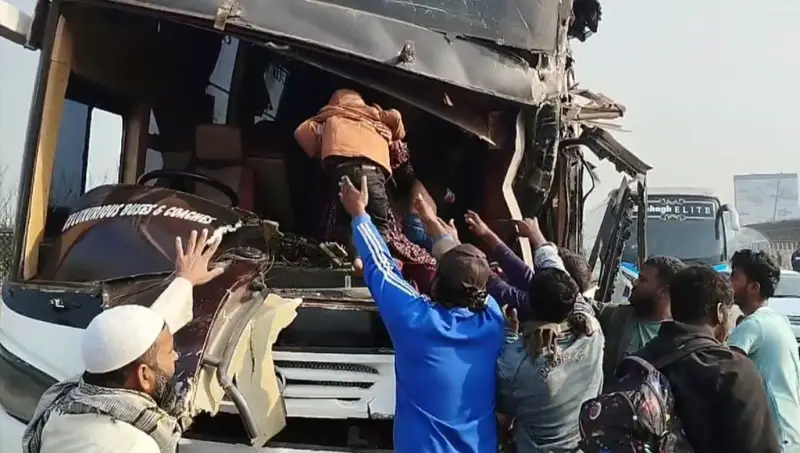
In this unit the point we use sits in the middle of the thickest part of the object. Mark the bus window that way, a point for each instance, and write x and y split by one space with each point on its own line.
88 152
219 85
153 159
71 147
105 149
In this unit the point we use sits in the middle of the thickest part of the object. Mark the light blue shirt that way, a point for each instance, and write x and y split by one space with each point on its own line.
766 337
544 396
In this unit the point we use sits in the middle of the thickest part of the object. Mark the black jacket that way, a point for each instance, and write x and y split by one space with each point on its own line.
719 395
796 261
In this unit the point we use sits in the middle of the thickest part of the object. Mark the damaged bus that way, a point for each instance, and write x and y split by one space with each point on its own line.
287 342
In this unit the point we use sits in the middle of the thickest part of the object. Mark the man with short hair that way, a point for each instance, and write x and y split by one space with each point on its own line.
629 327
127 400
719 397
766 337
445 346
796 259
545 374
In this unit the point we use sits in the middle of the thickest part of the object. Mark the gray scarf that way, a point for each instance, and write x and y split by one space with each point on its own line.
76 397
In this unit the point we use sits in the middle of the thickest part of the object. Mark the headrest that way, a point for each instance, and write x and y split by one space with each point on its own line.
218 142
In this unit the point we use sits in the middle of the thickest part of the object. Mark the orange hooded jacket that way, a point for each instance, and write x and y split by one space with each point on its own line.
348 127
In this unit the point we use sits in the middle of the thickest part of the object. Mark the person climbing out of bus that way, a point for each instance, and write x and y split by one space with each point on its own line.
446 346
719 396
353 139
629 327
545 373
127 400
765 336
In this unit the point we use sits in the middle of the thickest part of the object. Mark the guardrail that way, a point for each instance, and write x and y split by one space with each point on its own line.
6 250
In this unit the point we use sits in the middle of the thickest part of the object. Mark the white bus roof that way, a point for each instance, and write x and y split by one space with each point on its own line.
697 191
675 190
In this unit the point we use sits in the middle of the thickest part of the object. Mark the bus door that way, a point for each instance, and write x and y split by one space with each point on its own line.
614 233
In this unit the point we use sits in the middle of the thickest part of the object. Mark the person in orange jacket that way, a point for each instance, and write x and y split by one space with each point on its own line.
353 139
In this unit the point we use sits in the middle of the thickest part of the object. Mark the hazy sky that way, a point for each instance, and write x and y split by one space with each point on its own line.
710 88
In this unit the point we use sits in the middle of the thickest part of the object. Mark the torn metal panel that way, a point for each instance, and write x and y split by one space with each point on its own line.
257 377
605 146
431 47
240 348
593 106
14 24
454 105
522 24
588 109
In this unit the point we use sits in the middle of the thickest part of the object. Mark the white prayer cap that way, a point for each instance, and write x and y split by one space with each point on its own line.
119 336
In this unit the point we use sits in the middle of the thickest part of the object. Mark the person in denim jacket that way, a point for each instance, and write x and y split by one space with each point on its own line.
546 372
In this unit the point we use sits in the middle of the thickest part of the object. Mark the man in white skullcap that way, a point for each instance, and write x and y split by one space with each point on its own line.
126 401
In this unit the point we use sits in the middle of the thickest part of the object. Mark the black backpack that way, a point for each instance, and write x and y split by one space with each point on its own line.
636 413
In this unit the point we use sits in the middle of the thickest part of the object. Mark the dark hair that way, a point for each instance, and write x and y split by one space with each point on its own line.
119 378
555 293
666 266
473 299
696 291
577 267
757 267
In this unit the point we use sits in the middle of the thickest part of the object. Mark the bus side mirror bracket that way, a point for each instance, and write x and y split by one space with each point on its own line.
733 217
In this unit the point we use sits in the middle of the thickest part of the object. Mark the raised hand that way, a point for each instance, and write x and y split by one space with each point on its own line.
192 263
512 321
354 200
529 228
450 227
477 225
424 209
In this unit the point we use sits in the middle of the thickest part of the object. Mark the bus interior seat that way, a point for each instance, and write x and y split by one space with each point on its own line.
273 193
218 154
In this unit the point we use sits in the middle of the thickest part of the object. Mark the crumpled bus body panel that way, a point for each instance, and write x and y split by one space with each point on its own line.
470 44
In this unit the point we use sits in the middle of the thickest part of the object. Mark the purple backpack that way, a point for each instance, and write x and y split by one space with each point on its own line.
636 413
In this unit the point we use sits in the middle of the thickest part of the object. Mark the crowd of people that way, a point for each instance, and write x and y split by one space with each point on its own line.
530 377
561 356
508 357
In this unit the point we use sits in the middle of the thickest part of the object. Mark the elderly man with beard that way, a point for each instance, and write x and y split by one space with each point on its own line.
126 401
629 327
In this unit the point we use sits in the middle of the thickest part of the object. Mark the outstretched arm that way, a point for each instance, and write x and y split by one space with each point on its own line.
517 272
398 302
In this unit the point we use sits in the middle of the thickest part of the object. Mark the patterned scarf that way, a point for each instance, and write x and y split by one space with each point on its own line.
74 397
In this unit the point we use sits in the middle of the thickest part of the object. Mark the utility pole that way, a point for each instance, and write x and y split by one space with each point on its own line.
777 194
